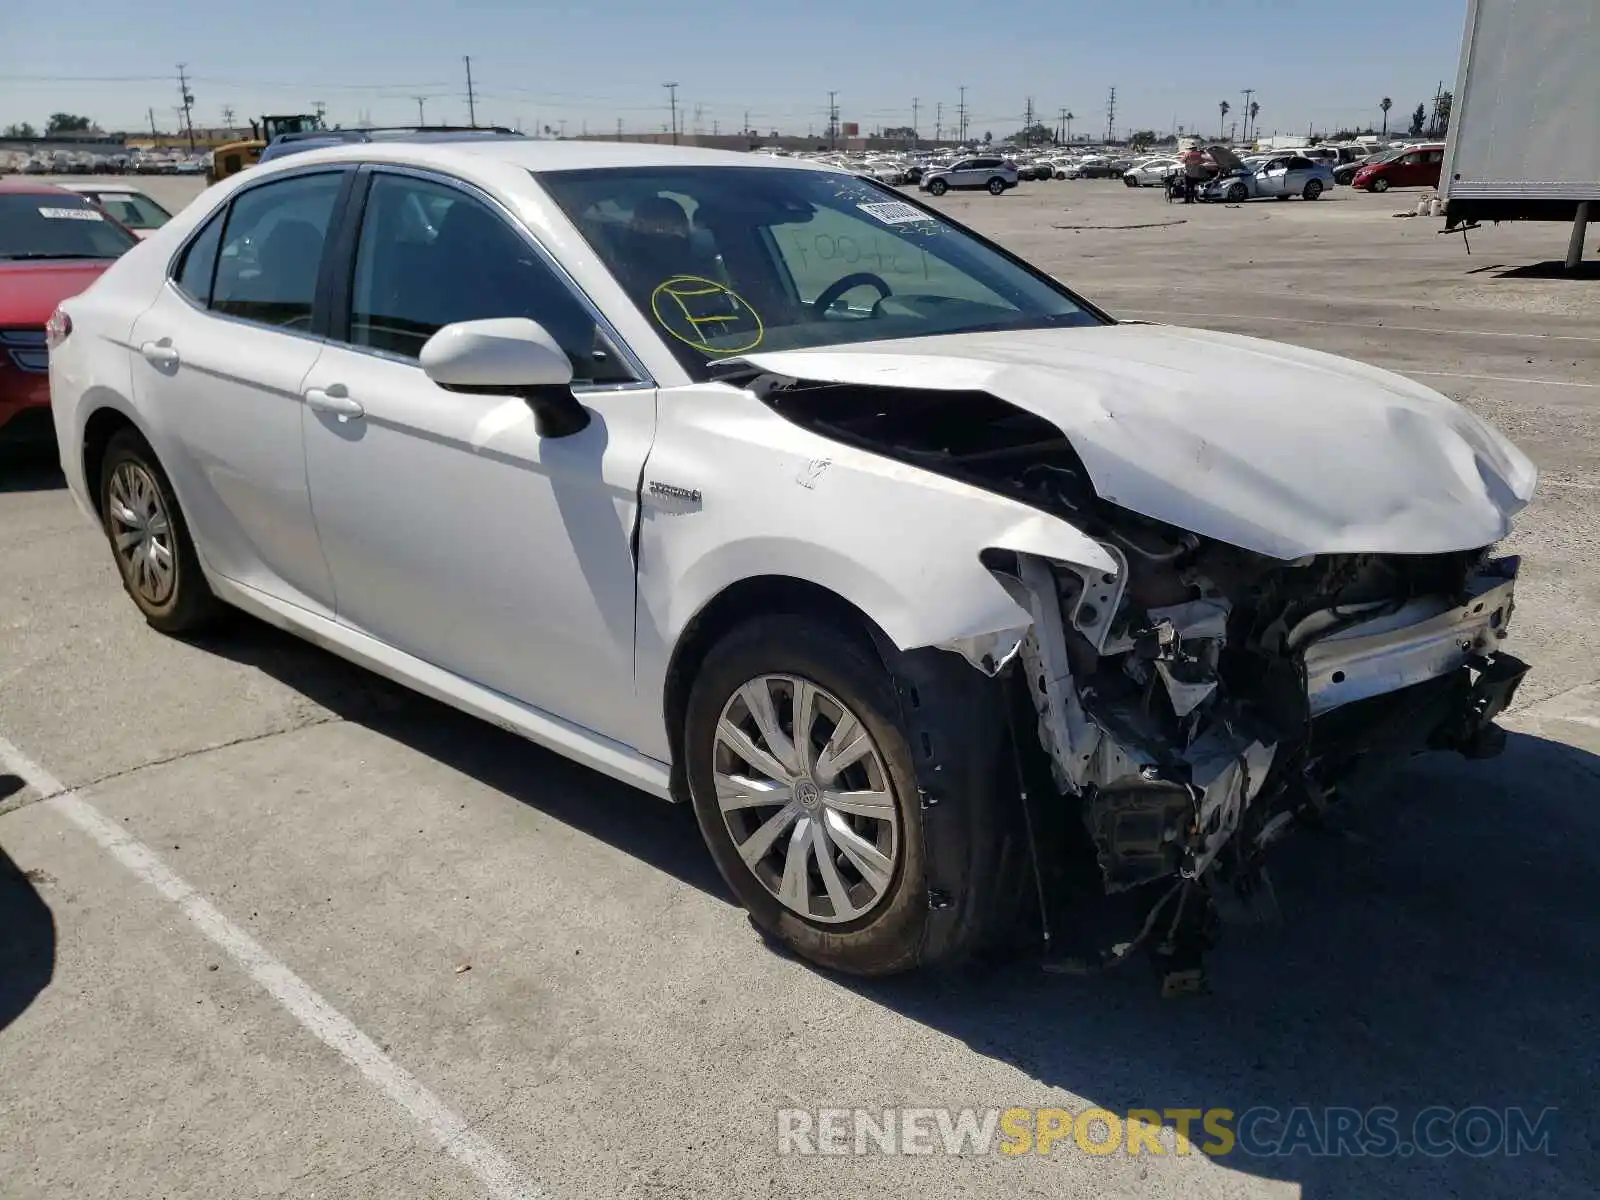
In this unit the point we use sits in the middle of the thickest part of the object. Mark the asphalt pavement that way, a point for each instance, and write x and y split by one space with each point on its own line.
270 926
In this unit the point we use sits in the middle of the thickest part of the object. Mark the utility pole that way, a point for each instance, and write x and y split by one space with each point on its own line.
561 129
152 114
421 117
833 119
1069 118
961 116
916 106
1247 93
1061 126
938 121
619 129
472 106
188 103
672 93
747 121
716 127
1111 114
321 109
1027 123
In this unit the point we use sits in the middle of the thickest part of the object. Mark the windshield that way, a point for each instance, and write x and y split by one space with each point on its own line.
53 225
728 260
134 209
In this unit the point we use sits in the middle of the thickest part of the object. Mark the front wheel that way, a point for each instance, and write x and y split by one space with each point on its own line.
805 788
150 540
996 186
1238 192
938 187
1313 189
1379 185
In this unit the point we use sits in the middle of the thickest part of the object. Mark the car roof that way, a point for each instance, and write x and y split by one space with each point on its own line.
28 188
543 154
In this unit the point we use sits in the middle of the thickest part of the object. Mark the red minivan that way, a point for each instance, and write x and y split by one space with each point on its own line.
1412 166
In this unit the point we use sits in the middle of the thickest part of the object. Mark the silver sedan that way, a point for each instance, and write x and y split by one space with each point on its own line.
1281 176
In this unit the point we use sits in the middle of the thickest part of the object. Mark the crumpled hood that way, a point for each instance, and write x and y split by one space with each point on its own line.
1269 447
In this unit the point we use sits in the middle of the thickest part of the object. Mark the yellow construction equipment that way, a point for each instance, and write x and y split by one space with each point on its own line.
234 157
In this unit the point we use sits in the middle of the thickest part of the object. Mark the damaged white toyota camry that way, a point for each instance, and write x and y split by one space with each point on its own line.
955 606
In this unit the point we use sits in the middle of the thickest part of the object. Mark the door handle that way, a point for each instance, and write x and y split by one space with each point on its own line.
160 354
336 400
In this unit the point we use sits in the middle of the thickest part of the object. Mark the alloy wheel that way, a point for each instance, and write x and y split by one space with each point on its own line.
805 794
141 533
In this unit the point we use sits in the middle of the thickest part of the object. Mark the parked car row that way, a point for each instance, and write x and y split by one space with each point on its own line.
98 162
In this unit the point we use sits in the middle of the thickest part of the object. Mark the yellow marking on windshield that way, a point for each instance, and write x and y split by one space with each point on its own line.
696 298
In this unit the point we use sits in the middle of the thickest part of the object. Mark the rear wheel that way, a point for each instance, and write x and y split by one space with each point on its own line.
996 186
150 540
1313 189
805 788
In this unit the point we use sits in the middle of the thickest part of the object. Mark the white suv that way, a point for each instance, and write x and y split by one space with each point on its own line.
994 174
757 485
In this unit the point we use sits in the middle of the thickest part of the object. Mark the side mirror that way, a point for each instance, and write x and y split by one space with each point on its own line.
508 356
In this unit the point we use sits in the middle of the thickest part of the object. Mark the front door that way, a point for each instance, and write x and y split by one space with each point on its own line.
455 533
220 357
1272 179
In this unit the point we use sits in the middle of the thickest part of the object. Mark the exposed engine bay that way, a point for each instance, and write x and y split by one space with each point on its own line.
1192 703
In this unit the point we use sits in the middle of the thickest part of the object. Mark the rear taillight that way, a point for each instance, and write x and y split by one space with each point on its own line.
57 328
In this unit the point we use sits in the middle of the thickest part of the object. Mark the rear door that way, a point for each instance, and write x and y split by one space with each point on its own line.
219 361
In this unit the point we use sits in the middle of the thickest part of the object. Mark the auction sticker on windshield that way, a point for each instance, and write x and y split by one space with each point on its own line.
895 212
70 214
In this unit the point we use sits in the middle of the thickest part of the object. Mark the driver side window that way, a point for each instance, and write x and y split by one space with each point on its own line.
833 244
430 255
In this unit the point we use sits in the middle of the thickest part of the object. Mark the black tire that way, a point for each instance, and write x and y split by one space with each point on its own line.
996 186
938 187
1313 189
189 606
1238 193
1379 185
903 930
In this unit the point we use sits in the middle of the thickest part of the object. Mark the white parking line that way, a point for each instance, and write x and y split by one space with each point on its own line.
499 1176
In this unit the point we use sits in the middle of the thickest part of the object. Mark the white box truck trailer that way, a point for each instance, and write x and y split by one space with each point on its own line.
1524 142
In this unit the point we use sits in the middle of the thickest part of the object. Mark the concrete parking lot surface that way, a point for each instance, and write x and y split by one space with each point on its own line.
273 927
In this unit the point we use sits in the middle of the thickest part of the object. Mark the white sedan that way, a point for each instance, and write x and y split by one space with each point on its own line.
127 204
757 485
1152 172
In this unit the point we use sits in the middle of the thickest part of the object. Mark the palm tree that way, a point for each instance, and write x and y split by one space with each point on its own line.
1070 118
1222 125
1255 111
1386 104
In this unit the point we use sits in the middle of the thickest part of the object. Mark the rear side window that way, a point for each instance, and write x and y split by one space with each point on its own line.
199 264
272 251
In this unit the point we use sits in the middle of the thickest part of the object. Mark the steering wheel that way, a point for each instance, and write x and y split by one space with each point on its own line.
839 287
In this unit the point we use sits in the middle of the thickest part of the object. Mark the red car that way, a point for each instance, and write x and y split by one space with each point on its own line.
53 244
1412 166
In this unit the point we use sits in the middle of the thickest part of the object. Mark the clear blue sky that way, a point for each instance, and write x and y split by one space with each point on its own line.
1326 62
